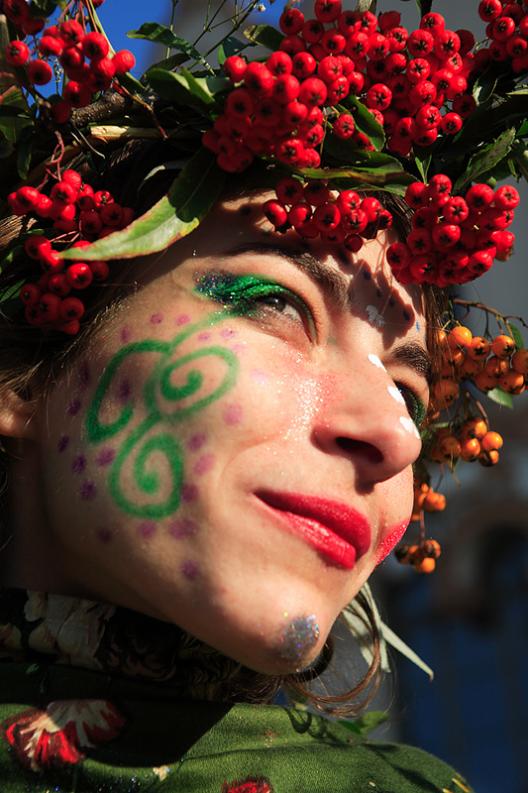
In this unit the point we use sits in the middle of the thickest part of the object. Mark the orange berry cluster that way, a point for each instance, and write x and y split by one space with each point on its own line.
472 441
421 556
426 498
488 363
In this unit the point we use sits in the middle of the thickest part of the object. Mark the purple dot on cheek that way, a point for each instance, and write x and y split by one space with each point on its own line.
196 442
227 333
182 319
204 336
79 464
84 374
147 528
104 535
233 414
88 490
105 456
156 319
126 335
189 492
62 445
190 570
124 391
74 407
203 464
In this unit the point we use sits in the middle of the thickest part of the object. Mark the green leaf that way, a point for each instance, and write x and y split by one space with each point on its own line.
501 397
423 163
230 46
486 158
186 89
366 723
44 8
6 147
191 196
523 129
354 177
424 6
399 645
265 35
516 335
366 122
346 152
161 34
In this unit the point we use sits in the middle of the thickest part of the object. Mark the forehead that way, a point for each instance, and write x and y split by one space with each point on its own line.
364 279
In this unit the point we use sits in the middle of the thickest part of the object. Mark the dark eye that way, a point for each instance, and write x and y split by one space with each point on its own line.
415 406
282 305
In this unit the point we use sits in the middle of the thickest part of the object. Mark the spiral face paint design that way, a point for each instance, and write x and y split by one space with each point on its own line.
166 404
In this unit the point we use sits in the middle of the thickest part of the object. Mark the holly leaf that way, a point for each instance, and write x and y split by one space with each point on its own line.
501 397
365 121
191 196
486 158
516 335
265 35
230 46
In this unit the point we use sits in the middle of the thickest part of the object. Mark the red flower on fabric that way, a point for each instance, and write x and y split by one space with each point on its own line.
250 785
55 737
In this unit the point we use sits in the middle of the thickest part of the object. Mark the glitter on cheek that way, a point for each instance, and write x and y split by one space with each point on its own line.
156 319
189 492
182 319
259 376
88 490
396 394
190 570
227 333
62 445
196 441
387 544
376 361
182 527
299 637
203 464
409 426
74 407
233 414
146 529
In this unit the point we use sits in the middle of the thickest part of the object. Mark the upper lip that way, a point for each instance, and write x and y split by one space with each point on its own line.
346 522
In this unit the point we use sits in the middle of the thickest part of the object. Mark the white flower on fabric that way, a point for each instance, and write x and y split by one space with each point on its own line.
374 317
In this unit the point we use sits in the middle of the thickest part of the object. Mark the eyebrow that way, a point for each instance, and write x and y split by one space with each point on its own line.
335 286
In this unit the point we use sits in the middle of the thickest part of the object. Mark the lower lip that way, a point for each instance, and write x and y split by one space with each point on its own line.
333 549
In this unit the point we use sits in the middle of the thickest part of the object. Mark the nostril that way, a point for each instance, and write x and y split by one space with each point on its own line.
366 450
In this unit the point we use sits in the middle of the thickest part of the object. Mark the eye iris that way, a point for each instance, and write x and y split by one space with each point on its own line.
274 301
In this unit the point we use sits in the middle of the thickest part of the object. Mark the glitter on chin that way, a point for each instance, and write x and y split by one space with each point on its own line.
299 637
386 545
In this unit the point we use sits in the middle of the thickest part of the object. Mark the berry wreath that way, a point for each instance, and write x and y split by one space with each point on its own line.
345 112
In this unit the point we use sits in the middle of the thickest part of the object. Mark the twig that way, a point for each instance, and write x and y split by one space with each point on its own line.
483 307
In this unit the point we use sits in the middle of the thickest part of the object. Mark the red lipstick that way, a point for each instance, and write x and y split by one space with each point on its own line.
340 534
392 538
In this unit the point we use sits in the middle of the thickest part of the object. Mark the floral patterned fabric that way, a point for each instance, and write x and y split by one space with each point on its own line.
95 698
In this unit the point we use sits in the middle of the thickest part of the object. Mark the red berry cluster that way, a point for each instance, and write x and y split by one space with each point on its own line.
83 57
454 238
507 31
313 210
72 206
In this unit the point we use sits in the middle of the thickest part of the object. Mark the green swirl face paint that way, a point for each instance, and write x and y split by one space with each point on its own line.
163 409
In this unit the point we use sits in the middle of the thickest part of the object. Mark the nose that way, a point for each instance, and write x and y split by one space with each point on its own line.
366 420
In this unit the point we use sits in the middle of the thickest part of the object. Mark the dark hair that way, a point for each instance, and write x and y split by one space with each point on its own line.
31 359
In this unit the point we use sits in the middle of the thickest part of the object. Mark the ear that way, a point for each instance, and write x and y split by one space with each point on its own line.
17 417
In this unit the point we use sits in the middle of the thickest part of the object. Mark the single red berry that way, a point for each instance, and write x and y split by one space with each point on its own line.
398 255
353 243
378 46
503 242
379 96
30 294
479 196
327 217
445 235
28 197
489 9
303 65
33 25
397 39
291 21
289 191
124 61
89 222
416 195
348 201
299 213
439 189
50 45
95 45
420 43
344 126
49 307
258 78
44 206
313 92
427 118
276 213
39 72
17 53
290 151
72 32
455 210
389 20
64 192
111 214
77 94
79 275
316 193
338 91
432 22
503 28
464 105
286 89
61 111
333 43
357 45
103 68
234 67
100 270
419 241
457 85
327 10
59 285
451 123
71 308
102 197
506 197
516 47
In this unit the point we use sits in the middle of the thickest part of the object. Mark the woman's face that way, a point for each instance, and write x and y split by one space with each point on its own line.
233 451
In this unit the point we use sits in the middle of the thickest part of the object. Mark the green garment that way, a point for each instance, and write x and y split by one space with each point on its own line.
71 724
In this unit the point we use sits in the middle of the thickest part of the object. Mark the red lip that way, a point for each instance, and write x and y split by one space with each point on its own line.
339 533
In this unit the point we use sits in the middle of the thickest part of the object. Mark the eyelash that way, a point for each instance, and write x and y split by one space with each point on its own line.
415 406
